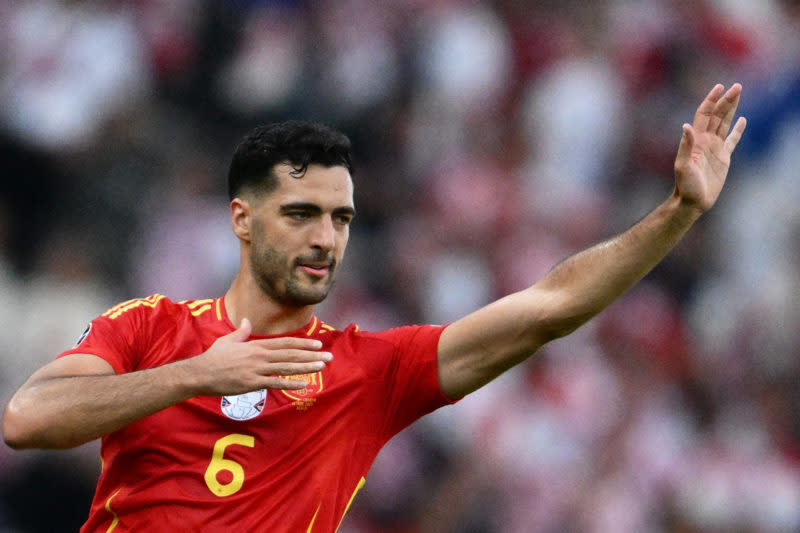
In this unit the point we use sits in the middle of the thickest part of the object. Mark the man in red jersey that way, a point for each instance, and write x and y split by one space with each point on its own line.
246 412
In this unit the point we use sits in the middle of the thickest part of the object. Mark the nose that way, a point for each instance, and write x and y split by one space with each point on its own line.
323 234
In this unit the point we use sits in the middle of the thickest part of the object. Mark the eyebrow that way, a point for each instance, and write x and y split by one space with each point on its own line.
314 208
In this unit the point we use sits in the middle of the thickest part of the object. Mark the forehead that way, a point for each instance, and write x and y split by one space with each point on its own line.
325 186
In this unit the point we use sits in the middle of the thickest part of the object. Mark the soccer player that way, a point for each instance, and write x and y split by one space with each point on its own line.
247 412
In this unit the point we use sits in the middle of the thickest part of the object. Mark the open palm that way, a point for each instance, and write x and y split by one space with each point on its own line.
704 154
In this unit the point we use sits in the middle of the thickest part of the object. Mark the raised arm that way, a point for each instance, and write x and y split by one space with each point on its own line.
78 398
479 347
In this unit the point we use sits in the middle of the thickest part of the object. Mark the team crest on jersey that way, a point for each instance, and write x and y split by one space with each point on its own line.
244 406
305 398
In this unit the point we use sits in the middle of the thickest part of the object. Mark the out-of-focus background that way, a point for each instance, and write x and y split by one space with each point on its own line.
493 138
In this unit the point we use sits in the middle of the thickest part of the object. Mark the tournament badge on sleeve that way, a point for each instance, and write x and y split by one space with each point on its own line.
83 335
244 406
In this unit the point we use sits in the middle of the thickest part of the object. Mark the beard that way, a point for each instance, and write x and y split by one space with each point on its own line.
277 276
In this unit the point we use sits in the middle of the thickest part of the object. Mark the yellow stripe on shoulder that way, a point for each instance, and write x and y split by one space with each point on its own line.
117 310
119 305
200 310
198 307
191 304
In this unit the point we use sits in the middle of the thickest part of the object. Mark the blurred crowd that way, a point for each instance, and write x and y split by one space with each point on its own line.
493 138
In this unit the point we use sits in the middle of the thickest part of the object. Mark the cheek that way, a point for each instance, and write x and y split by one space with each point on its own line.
341 243
264 255
264 242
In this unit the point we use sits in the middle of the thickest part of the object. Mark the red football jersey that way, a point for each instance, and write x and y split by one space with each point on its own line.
269 460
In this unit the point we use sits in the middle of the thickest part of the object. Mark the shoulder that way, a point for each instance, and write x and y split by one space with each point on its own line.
400 333
399 338
152 330
135 306
158 305
157 312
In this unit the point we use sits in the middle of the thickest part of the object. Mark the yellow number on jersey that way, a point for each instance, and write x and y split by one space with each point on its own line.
219 464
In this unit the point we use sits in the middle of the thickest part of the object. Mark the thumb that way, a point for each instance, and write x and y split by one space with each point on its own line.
683 157
687 141
243 333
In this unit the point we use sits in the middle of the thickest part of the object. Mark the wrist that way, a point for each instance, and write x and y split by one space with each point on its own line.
187 378
683 208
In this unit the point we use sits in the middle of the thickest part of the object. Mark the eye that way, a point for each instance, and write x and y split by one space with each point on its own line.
343 219
298 215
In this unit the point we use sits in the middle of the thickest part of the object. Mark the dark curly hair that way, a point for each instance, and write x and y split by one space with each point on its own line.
297 142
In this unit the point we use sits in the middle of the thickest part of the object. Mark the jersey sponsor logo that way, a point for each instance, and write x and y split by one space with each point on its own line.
304 398
83 335
244 406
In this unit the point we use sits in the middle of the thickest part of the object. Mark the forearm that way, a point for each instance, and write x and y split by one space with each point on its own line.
586 283
480 346
63 412
484 344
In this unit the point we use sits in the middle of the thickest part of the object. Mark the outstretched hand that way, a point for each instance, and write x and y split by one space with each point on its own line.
704 154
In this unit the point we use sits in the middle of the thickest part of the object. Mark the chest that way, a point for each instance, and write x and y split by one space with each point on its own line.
345 402
209 445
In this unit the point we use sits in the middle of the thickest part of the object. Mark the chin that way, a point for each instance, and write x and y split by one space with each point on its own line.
307 297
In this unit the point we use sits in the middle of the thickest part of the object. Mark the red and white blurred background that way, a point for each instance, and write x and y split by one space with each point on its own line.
492 139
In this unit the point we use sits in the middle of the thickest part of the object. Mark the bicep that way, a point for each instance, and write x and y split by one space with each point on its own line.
77 364
479 347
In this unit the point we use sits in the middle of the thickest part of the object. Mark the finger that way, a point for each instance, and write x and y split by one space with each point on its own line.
277 343
686 145
706 108
736 134
242 333
275 382
292 369
296 356
726 109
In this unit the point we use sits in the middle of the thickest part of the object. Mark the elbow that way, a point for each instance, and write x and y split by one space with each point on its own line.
14 442
18 437
547 316
14 434
20 432
559 320
559 312
561 328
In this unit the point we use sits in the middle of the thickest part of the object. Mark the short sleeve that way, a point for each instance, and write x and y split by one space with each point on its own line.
413 376
113 339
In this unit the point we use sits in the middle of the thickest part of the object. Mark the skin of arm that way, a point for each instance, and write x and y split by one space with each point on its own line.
479 347
79 398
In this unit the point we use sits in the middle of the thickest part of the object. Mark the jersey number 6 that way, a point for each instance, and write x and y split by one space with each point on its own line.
220 464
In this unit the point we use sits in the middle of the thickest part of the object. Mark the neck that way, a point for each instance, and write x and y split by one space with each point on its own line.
245 299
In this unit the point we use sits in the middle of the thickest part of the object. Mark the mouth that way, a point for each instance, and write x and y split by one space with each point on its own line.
317 271
316 267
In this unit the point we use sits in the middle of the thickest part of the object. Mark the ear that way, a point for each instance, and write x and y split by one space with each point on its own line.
240 219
